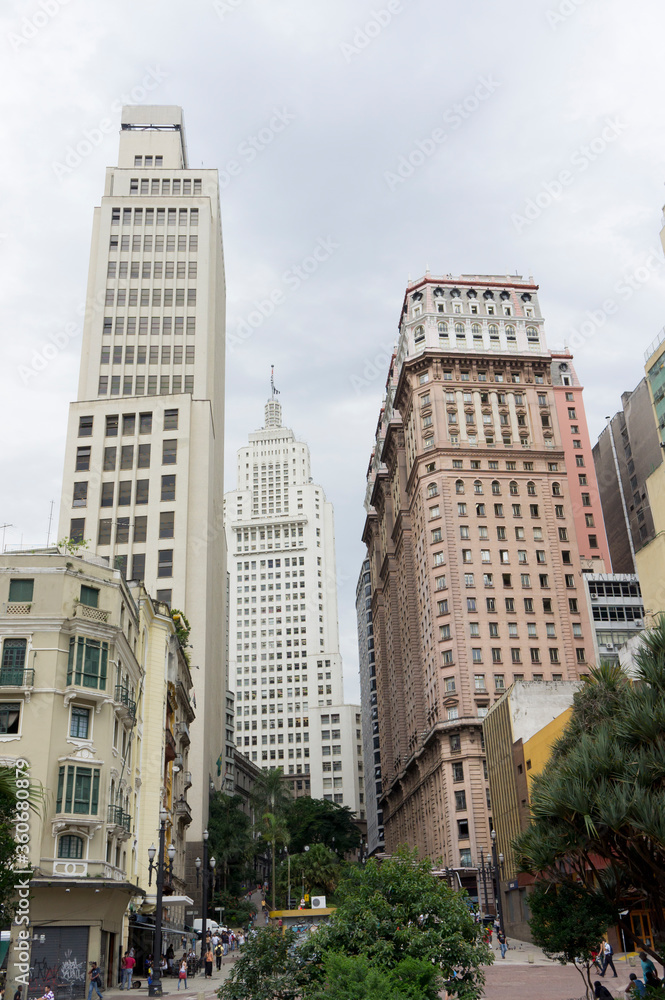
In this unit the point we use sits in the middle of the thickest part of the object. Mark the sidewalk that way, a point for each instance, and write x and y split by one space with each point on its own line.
197 986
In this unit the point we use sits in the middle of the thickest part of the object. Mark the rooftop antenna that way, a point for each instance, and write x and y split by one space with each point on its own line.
273 391
4 528
50 522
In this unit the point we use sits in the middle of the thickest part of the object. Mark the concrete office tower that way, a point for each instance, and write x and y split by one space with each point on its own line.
370 712
284 637
476 575
143 480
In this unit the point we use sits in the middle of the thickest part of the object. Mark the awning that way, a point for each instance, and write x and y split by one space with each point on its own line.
169 900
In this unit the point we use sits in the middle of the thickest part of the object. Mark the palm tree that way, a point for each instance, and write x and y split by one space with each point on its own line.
320 867
270 793
274 830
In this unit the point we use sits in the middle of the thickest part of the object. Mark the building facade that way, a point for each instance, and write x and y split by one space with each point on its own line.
617 612
475 569
370 712
143 480
285 664
92 684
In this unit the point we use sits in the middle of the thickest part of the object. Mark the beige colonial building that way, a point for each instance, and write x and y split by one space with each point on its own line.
474 562
95 696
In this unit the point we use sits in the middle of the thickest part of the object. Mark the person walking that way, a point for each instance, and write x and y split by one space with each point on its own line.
208 960
219 954
95 981
503 943
225 942
129 963
182 972
608 951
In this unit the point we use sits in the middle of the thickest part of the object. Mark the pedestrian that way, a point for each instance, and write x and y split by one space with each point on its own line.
225 941
182 973
608 951
595 961
601 992
635 988
503 944
208 960
648 970
48 995
128 963
219 954
17 995
95 980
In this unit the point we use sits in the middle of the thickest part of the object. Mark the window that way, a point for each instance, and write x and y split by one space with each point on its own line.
580 656
476 655
87 662
458 771
455 743
145 423
78 790
20 591
79 726
166 524
90 596
463 829
124 493
112 425
170 420
70 847
140 525
168 488
85 427
165 562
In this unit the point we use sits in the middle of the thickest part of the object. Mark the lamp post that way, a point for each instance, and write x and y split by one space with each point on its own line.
485 869
205 871
159 867
497 868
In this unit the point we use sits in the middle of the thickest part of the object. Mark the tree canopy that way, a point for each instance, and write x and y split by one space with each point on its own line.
598 807
318 821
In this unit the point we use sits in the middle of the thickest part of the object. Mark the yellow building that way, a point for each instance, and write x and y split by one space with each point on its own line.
519 731
94 697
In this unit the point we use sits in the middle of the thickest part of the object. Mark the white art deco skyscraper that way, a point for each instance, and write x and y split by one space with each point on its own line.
143 481
285 665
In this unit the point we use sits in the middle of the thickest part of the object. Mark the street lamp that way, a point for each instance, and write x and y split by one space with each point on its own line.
207 873
497 869
160 868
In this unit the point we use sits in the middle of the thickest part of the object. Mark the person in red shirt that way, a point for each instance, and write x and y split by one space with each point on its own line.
128 963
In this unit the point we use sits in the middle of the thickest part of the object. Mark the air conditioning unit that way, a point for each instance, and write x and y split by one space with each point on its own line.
318 902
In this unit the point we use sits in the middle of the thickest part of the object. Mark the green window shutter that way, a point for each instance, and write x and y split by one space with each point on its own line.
61 782
91 666
70 659
82 790
89 596
102 666
21 590
79 660
70 789
95 793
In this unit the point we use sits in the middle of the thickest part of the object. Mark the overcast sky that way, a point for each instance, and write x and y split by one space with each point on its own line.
547 159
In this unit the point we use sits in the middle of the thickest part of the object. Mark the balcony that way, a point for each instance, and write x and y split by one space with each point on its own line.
91 614
18 608
122 698
183 811
17 677
182 729
187 778
118 817
170 750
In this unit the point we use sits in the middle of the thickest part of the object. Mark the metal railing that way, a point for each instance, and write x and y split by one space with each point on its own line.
17 676
119 817
122 696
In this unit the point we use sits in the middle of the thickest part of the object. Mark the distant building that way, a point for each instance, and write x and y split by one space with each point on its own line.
370 712
617 611
651 554
286 668
519 731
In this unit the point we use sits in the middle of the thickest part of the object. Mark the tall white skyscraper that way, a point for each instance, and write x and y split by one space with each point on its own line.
143 481
285 665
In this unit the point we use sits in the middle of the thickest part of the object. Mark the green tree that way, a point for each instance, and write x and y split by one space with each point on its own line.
9 854
317 821
269 968
270 794
231 841
598 807
355 978
568 923
395 910
274 832
318 869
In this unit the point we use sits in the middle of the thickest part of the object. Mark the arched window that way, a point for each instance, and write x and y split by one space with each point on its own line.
459 486
70 847
556 489
443 329
496 487
513 489
419 334
510 333
432 490
459 330
493 331
531 333
531 489
477 486
476 330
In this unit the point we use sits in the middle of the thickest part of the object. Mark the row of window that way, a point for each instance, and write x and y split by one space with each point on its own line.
506 579
147 296
127 451
150 216
151 355
448 658
162 185
166 325
141 494
131 423
167 385
166 269
501 534
460 331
